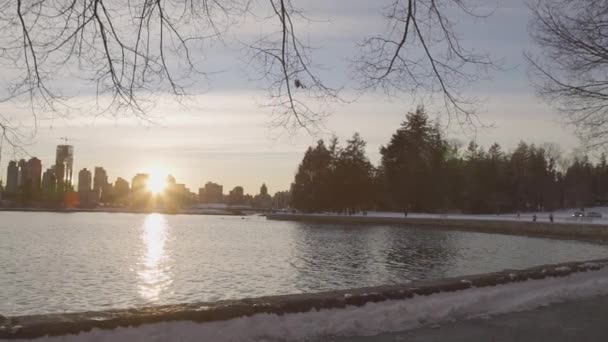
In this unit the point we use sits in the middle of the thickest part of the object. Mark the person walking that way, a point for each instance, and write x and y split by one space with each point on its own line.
551 217
534 218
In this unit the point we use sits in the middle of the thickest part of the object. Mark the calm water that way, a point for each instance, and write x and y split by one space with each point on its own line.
88 261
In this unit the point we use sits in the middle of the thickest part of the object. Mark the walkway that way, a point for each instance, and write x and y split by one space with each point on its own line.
584 320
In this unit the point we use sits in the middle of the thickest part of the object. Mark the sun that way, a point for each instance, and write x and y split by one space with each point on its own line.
157 181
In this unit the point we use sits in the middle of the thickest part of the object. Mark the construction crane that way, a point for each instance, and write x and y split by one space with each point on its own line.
65 139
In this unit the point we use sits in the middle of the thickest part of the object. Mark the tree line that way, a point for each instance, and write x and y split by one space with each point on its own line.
421 171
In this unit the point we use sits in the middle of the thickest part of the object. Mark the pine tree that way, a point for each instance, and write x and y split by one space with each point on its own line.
413 163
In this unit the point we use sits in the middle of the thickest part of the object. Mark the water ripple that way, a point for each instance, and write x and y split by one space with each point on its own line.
90 261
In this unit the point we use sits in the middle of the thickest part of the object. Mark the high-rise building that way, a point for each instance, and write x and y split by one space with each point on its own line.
87 197
84 181
12 177
100 180
64 160
139 182
34 166
212 193
236 195
263 199
121 190
23 176
49 181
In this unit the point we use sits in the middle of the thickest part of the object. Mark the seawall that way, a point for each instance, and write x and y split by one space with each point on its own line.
561 230
74 323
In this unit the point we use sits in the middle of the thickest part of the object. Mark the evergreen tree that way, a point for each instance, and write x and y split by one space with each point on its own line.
310 190
413 163
353 182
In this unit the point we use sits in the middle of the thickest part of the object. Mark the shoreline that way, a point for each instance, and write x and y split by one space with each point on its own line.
117 211
34 326
561 230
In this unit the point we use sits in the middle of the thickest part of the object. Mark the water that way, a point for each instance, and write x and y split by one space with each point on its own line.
52 262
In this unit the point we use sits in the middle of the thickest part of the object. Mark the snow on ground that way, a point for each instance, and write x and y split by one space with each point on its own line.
370 319
563 216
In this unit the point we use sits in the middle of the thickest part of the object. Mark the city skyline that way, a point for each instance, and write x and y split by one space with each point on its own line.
25 177
159 175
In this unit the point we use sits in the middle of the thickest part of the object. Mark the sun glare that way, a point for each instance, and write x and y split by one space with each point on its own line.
157 181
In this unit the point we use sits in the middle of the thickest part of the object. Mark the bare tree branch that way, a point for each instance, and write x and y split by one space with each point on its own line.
128 52
422 53
571 71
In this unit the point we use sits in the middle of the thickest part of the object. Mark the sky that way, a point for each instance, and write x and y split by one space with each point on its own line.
223 133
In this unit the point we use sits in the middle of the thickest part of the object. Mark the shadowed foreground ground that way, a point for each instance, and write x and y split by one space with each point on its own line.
584 320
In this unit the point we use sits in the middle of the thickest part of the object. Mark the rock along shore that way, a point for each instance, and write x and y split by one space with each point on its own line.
34 326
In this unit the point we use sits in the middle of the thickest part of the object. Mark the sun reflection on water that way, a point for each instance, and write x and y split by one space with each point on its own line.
153 272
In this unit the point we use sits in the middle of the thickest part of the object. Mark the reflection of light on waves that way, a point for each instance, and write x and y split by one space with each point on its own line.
153 276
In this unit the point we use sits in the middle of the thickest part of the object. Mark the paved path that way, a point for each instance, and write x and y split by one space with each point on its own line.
585 320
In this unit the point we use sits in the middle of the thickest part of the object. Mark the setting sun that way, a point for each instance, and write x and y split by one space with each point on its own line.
157 181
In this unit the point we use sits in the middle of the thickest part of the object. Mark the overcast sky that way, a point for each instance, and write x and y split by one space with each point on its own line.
223 136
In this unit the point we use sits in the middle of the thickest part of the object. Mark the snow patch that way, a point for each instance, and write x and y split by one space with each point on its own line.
370 319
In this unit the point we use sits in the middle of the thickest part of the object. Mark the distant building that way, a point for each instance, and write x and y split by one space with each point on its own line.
121 190
34 166
211 193
180 188
84 181
263 199
12 177
171 180
23 175
64 160
236 195
100 179
87 197
140 195
139 182
49 181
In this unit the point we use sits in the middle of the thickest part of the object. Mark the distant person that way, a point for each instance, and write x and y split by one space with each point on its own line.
534 218
518 215
551 217
405 213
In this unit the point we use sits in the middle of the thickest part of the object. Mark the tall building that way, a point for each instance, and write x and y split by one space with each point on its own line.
64 160
211 193
87 197
12 177
49 182
84 182
34 166
139 182
140 195
100 179
121 190
101 187
263 199
236 195
22 178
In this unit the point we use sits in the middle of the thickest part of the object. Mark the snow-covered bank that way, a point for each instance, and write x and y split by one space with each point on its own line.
357 312
574 230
